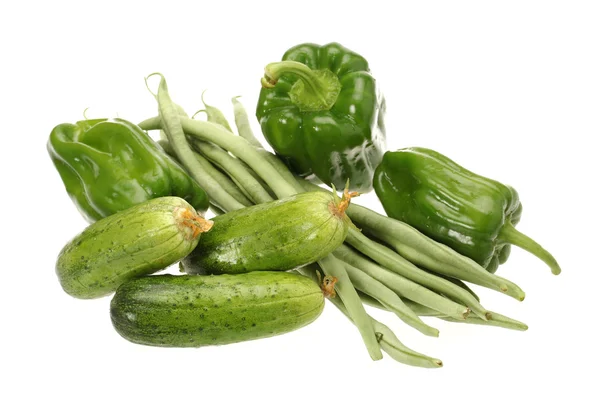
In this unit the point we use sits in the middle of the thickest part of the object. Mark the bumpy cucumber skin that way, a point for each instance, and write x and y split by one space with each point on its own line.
279 235
137 241
193 311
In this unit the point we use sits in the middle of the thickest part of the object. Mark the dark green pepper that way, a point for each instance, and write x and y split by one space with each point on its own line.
108 165
474 215
322 113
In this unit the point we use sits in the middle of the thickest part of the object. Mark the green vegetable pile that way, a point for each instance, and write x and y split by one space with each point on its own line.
281 241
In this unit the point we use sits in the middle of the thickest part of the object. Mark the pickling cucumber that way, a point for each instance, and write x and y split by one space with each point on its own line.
278 235
139 240
192 311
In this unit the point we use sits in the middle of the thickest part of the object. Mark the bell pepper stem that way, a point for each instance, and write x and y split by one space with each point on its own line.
315 90
511 235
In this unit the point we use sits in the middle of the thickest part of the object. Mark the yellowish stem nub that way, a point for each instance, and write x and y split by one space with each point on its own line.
345 202
195 223
328 286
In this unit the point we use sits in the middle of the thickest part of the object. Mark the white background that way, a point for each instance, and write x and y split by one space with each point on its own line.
508 89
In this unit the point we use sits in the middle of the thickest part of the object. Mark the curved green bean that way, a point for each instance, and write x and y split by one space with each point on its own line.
458 283
236 171
243 123
214 114
427 253
365 283
246 132
402 286
283 171
396 263
393 346
170 122
344 288
238 146
223 181
496 320
387 340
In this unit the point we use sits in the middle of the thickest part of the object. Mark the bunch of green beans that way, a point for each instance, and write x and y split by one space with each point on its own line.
403 272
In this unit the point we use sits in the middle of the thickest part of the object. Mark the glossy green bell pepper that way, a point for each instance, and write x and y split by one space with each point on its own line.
108 165
321 111
474 215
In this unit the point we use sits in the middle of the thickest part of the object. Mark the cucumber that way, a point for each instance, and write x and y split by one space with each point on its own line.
274 236
139 240
193 311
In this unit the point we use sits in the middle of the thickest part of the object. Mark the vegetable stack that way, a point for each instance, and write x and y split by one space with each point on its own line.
281 243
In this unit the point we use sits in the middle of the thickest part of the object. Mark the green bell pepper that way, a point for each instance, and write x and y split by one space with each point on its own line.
322 113
472 214
108 165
